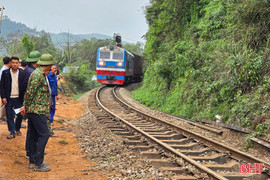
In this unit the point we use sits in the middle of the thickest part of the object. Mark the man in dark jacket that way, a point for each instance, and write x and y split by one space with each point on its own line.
54 87
33 58
12 95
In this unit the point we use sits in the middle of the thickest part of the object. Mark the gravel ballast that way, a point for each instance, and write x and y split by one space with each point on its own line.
110 152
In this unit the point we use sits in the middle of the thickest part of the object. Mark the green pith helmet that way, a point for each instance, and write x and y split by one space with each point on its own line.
34 56
46 59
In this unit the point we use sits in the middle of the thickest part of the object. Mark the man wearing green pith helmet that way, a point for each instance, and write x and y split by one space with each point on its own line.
33 58
37 106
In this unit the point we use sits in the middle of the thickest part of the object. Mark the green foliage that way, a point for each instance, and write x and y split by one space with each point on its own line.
63 142
61 121
85 52
135 48
21 47
12 45
43 43
208 57
111 159
27 44
81 79
79 95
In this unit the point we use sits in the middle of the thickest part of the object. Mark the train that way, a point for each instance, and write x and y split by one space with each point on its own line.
117 66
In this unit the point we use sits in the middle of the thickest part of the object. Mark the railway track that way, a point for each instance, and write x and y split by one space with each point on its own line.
168 147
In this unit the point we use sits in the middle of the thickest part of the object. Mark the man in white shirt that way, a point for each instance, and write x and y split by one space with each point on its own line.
12 95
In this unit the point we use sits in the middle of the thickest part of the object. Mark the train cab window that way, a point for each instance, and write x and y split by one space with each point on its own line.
104 55
118 56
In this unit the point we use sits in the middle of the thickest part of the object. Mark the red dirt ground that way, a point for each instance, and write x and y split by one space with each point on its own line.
67 161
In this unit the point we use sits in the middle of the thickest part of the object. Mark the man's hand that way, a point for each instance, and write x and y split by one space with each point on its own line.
23 111
4 100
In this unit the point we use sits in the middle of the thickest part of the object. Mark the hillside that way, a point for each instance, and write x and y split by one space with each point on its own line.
61 38
208 58
9 26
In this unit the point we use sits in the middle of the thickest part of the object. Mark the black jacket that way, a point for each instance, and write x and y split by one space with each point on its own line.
6 84
25 76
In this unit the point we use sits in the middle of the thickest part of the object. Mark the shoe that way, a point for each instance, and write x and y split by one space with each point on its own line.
23 126
42 168
32 166
54 135
18 133
11 136
27 155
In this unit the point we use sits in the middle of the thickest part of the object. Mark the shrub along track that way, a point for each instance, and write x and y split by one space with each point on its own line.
169 147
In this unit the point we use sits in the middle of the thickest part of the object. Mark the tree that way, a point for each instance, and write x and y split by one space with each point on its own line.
135 48
27 44
44 44
85 51
12 45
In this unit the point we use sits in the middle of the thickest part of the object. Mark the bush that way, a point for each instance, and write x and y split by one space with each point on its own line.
208 57
81 79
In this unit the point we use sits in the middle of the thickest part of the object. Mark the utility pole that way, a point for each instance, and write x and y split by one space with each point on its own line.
2 9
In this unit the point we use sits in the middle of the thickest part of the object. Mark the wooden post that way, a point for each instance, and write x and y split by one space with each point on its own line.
2 9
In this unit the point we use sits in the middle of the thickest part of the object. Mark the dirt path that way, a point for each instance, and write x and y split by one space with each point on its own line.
66 161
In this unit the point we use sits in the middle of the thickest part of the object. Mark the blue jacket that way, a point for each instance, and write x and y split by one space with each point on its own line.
53 83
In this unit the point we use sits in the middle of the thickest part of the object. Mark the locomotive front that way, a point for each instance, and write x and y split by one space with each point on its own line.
111 65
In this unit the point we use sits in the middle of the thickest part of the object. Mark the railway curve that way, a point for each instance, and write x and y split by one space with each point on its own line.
206 158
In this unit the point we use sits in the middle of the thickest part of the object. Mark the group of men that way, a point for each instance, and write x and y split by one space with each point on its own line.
31 93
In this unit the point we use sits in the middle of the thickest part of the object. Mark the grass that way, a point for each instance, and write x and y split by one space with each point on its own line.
61 121
78 96
64 142
111 159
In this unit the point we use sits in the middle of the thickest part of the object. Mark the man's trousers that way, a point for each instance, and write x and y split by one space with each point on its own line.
38 137
52 108
13 103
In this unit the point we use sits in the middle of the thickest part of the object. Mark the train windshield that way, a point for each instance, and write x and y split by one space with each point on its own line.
118 56
104 55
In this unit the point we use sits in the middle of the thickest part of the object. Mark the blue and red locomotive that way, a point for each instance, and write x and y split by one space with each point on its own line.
115 65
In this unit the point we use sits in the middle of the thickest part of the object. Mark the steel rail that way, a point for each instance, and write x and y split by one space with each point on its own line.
160 143
211 129
224 125
265 144
239 155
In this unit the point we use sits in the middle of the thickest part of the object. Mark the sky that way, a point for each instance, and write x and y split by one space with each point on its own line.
125 17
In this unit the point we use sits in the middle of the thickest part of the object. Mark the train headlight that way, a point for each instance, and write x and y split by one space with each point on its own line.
119 64
101 63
